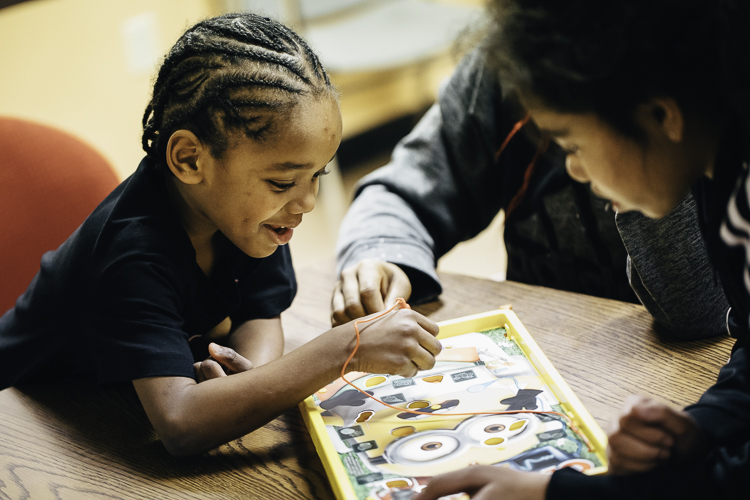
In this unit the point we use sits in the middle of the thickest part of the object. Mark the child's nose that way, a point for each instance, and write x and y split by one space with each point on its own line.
575 170
305 201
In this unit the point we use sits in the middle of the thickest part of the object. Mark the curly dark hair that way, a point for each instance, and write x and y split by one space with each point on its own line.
237 73
608 56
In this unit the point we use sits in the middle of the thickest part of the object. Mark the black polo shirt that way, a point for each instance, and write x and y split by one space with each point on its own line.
121 297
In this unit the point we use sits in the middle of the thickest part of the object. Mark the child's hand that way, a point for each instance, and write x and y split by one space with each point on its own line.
485 482
649 433
223 361
401 343
368 287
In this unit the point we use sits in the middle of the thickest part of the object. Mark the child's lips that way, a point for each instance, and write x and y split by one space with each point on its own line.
280 234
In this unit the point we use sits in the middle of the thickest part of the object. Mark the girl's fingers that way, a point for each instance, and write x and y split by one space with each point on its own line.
198 374
449 484
229 359
432 346
423 359
429 325
370 281
211 369
350 289
338 316
675 422
646 432
398 286
484 482
628 447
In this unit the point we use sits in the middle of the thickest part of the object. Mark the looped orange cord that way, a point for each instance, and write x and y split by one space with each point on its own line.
401 304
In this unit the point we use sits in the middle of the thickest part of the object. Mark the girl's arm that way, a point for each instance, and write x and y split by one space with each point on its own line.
486 482
191 418
253 343
259 340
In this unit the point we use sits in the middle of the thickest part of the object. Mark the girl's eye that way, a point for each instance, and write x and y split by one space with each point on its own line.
570 150
282 186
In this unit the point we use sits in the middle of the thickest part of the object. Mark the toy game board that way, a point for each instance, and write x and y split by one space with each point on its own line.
489 363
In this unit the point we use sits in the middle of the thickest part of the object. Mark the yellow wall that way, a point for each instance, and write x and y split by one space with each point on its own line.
65 63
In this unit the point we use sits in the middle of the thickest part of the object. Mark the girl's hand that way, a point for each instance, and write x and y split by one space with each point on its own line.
223 361
485 482
649 433
368 287
401 343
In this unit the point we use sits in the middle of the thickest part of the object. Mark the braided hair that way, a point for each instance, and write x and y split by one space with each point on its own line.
236 73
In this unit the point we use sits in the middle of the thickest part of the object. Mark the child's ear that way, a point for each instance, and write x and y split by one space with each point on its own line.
184 150
668 117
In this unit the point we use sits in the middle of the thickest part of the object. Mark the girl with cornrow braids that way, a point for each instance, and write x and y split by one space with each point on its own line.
177 280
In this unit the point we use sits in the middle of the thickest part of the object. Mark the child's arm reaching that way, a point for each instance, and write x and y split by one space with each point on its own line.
648 434
487 482
191 418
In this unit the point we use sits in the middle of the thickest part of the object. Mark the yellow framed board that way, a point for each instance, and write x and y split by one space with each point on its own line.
489 363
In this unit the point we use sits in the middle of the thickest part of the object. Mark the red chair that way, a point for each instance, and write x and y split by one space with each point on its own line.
50 181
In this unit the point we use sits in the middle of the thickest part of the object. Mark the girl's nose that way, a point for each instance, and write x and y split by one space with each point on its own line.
305 201
575 170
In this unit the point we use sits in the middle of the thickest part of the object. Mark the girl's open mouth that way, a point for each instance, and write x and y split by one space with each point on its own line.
280 234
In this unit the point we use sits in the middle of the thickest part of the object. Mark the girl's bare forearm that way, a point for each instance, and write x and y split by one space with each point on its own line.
191 418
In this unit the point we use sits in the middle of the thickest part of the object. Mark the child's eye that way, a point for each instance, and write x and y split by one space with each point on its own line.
282 186
570 150
322 172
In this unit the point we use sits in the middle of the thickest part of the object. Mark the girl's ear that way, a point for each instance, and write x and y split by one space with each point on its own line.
184 150
667 117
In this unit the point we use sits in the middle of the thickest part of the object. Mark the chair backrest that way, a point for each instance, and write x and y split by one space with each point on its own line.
50 181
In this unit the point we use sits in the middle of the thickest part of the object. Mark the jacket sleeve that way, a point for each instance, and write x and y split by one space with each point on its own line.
723 474
669 270
442 185
723 412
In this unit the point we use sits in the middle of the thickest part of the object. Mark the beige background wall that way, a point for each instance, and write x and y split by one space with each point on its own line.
86 65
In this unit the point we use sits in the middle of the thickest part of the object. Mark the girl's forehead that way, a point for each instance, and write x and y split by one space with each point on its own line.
304 140
559 125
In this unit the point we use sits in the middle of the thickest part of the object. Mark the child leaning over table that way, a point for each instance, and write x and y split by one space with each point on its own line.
649 99
240 128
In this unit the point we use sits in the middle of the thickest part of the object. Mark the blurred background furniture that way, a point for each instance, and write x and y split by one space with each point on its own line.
49 183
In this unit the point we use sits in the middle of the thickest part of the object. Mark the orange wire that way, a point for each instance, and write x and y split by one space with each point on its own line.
518 197
519 124
401 304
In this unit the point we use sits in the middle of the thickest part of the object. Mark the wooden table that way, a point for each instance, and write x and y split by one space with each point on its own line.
60 442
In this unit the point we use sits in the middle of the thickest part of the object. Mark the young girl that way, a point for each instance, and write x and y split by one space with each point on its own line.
649 99
242 123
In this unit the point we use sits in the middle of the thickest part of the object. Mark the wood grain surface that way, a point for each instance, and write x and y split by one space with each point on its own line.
66 442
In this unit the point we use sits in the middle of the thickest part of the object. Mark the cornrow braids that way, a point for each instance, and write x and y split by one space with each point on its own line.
229 74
